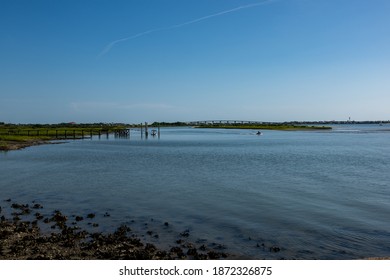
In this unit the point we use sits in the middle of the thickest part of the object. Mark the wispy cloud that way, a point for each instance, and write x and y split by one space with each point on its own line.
113 43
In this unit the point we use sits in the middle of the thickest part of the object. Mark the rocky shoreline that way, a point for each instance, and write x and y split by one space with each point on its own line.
18 145
21 237
27 234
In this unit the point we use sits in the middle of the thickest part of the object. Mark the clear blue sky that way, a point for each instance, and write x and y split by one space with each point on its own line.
64 60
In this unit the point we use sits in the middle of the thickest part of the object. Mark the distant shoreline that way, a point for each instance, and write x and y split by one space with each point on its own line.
266 127
16 137
296 123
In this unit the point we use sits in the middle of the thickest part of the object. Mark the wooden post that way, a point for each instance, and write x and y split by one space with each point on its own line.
146 130
74 134
28 132
158 132
47 132
91 134
107 133
100 133
142 132
82 134
65 134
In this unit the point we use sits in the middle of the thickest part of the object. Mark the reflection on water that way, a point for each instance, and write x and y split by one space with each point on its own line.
278 195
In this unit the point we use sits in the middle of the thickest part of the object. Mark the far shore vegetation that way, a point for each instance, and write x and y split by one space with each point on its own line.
273 126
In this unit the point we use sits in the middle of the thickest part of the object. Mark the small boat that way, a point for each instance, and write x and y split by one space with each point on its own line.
259 133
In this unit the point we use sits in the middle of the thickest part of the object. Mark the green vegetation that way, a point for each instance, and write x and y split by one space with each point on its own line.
14 136
21 138
14 142
273 126
168 124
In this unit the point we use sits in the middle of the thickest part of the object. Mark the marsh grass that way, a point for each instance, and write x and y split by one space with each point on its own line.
19 136
22 138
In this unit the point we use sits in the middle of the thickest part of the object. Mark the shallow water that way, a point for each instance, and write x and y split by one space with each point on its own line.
322 194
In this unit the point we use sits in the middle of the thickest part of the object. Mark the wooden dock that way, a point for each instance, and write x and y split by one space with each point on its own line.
76 134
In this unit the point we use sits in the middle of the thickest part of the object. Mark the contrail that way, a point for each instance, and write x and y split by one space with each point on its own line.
113 43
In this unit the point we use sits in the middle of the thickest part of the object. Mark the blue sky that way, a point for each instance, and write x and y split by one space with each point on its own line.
278 61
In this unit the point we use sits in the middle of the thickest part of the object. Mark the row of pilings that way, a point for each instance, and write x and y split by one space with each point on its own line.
145 131
57 133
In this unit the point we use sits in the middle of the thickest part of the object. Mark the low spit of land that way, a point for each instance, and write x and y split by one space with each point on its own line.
273 126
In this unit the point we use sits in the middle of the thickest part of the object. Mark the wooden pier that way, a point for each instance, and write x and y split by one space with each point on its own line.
66 133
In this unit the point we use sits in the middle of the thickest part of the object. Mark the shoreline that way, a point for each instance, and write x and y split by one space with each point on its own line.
22 237
16 137
17 145
267 127
30 235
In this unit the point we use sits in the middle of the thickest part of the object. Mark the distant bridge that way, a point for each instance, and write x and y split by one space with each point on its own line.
224 122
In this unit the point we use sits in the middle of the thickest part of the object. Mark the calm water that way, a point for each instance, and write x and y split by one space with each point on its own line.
313 194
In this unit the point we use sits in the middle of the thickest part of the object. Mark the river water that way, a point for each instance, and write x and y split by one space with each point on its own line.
284 194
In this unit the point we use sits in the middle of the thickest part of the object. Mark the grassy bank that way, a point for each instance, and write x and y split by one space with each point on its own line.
13 137
15 142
